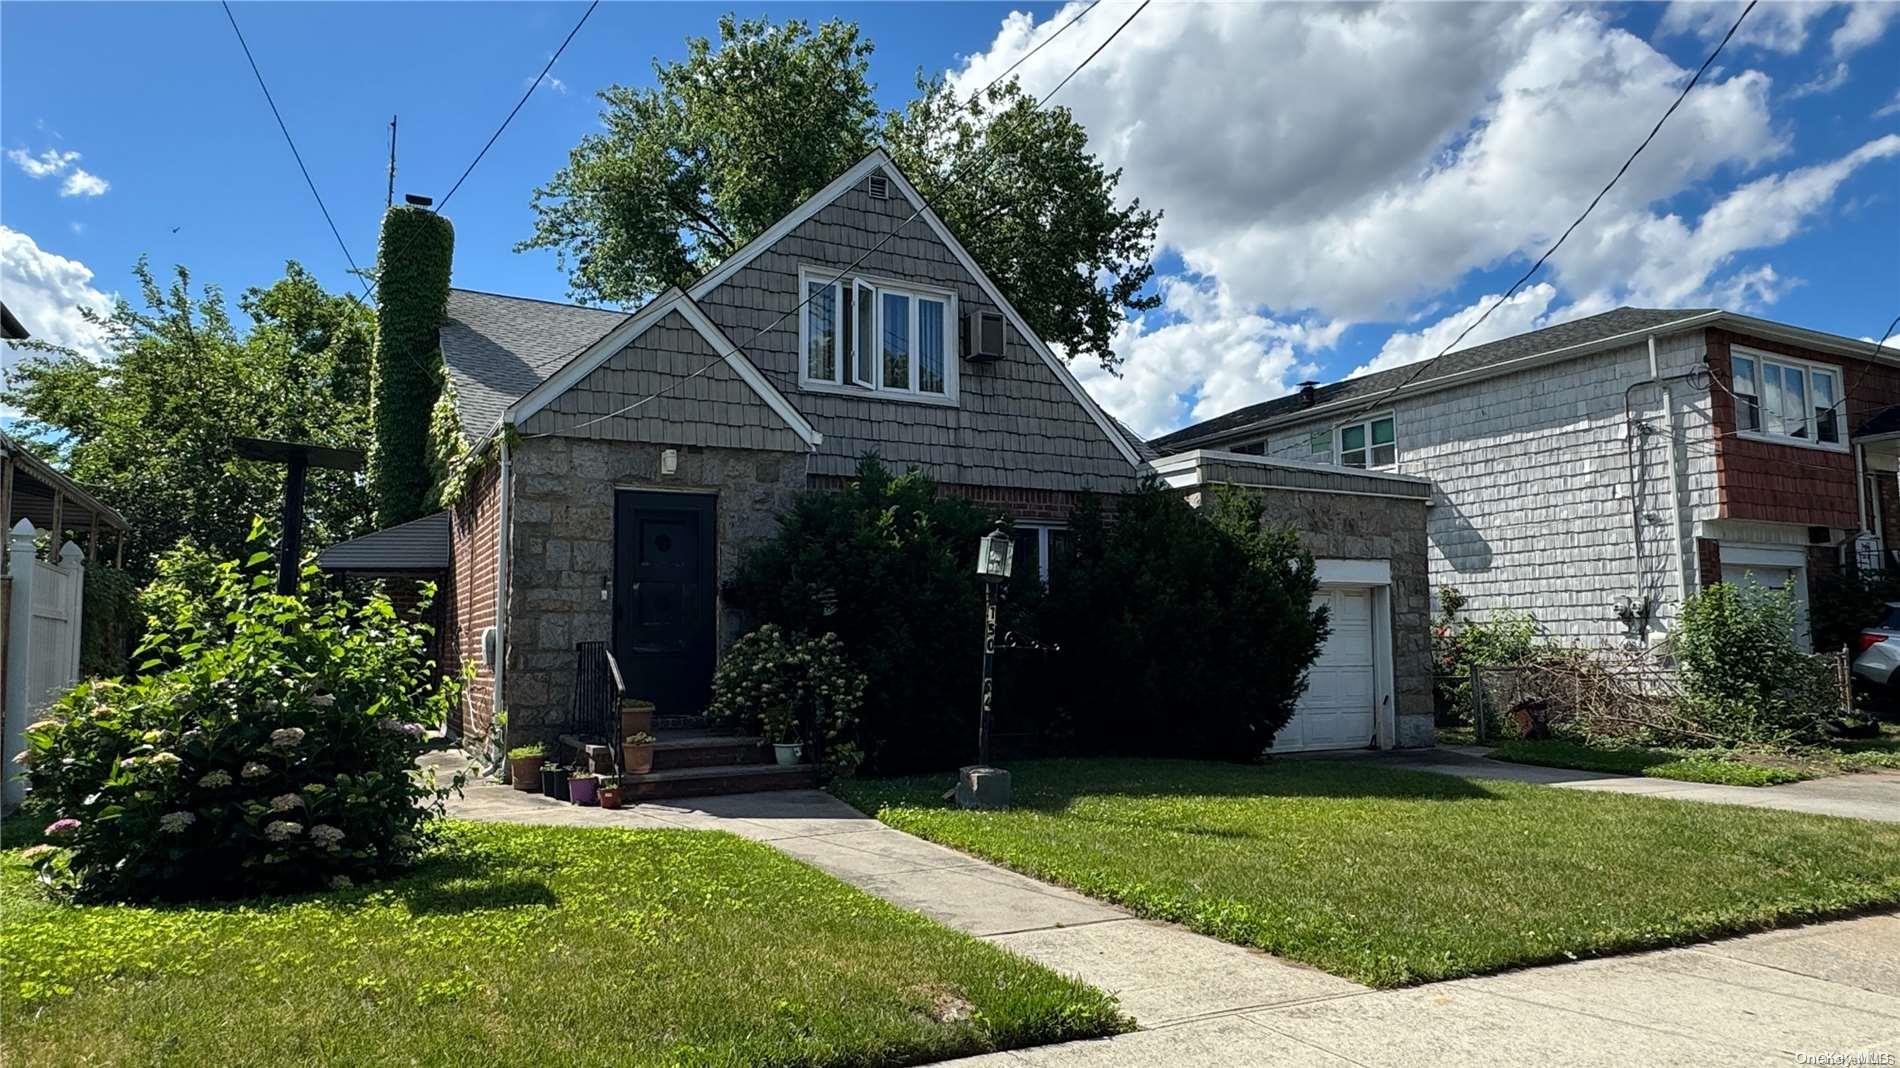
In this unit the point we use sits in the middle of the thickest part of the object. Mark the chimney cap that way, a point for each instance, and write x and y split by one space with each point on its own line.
1306 391
417 199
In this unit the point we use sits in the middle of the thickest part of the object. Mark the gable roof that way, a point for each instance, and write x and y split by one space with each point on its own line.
418 545
497 348
1590 329
589 359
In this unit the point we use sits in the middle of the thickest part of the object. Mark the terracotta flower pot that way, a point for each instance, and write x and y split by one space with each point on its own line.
638 758
582 791
609 795
636 717
525 773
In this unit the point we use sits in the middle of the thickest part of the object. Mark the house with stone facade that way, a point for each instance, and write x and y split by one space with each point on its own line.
1596 473
624 463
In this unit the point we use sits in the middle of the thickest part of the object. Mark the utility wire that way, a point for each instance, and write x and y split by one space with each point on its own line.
334 232
1422 367
518 105
806 299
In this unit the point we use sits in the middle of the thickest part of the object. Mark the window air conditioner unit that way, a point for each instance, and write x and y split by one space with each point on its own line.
983 335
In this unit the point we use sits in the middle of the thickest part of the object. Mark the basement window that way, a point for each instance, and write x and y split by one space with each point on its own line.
1784 399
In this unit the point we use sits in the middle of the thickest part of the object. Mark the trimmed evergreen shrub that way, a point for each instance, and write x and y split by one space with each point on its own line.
265 744
412 292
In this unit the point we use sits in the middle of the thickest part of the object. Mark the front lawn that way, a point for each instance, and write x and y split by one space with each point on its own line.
1391 877
1685 765
520 945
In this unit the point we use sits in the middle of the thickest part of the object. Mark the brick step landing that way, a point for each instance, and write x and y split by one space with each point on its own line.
700 750
717 779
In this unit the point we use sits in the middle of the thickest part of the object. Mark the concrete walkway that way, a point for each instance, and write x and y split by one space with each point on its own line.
1759 1000
1872 795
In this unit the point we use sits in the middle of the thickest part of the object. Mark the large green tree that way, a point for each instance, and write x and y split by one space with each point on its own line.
149 427
738 133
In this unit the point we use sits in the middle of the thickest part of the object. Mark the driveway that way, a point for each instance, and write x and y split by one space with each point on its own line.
1861 795
1824 989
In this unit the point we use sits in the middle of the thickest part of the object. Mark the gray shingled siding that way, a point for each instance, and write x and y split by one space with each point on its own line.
716 409
1016 423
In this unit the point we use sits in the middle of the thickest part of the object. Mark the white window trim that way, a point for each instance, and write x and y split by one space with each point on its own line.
844 383
1807 367
1339 442
1043 530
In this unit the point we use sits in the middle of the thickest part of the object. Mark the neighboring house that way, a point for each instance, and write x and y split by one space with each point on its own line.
1597 473
628 461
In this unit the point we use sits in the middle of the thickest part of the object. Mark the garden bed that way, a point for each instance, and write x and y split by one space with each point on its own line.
1391 877
520 945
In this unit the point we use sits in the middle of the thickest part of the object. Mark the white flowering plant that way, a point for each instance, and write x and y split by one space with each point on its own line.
263 744
789 686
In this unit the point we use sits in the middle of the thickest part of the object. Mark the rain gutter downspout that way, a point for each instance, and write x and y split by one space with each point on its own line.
1675 476
504 488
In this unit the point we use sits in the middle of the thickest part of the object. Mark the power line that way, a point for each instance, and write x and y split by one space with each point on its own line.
1421 368
806 299
536 84
334 232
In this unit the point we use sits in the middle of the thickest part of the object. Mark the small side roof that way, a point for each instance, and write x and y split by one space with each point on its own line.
419 545
496 349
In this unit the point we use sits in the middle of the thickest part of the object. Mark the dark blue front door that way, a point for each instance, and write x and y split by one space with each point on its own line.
664 589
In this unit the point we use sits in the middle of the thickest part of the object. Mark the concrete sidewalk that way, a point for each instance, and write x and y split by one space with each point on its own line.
1827 988
1870 795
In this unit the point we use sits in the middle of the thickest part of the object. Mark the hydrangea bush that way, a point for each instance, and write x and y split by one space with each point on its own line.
263 744
781 683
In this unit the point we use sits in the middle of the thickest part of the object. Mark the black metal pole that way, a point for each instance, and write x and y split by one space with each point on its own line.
290 556
989 661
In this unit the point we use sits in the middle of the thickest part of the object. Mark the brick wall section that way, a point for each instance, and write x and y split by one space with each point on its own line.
563 541
1772 483
1022 505
1708 556
469 598
1016 423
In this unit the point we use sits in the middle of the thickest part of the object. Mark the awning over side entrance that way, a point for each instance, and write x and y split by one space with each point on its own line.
418 547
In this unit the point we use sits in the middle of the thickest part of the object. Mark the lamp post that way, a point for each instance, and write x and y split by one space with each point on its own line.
980 785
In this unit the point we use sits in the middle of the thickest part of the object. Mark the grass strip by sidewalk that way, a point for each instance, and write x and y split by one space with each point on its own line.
1680 764
526 945
1391 877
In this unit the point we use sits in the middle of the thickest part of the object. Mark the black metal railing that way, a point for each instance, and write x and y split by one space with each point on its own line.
597 689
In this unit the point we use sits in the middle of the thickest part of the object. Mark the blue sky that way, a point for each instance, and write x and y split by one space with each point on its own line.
1338 195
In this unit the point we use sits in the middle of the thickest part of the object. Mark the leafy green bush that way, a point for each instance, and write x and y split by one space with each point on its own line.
265 744
1745 678
1847 603
111 623
789 687
1181 633
1458 646
888 566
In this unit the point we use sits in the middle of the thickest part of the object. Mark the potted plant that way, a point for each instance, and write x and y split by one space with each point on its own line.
787 749
781 729
609 793
524 766
582 786
638 753
554 781
636 717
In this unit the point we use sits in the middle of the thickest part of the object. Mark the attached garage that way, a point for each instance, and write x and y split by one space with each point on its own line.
1348 699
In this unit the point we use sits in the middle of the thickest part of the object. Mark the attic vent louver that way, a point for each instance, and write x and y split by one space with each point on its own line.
880 187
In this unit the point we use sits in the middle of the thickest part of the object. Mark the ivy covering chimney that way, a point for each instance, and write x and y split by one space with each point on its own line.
412 298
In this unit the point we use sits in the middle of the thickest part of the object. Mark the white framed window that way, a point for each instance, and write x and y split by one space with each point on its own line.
1368 443
866 334
1778 398
1044 546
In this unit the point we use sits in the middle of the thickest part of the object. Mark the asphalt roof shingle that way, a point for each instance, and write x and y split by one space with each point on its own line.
418 545
496 349
1563 335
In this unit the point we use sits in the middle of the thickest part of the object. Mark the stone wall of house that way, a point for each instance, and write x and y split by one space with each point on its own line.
1356 526
562 548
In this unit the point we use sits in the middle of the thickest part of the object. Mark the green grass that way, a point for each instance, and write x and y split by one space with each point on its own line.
1391 877
1682 764
524 945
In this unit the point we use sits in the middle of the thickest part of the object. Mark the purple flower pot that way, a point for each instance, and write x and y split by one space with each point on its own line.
582 791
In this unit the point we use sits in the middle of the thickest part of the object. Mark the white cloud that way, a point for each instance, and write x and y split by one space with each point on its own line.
1524 311
1782 27
1892 107
46 290
1822 83
48 163
1865 23
1209 356
83 183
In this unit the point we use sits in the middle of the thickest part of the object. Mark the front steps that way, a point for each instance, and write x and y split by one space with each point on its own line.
692 759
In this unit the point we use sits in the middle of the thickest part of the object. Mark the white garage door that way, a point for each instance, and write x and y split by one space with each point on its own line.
1337 710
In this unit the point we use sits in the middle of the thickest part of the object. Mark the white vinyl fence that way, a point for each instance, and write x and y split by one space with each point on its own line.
42 639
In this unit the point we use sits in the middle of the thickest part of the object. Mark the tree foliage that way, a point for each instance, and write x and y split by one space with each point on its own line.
1745 677
412 292
149 427
742 131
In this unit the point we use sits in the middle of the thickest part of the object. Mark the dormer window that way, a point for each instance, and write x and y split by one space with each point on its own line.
867 335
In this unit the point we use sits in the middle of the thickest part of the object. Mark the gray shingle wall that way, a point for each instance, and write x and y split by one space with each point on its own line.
1016 423
716 408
